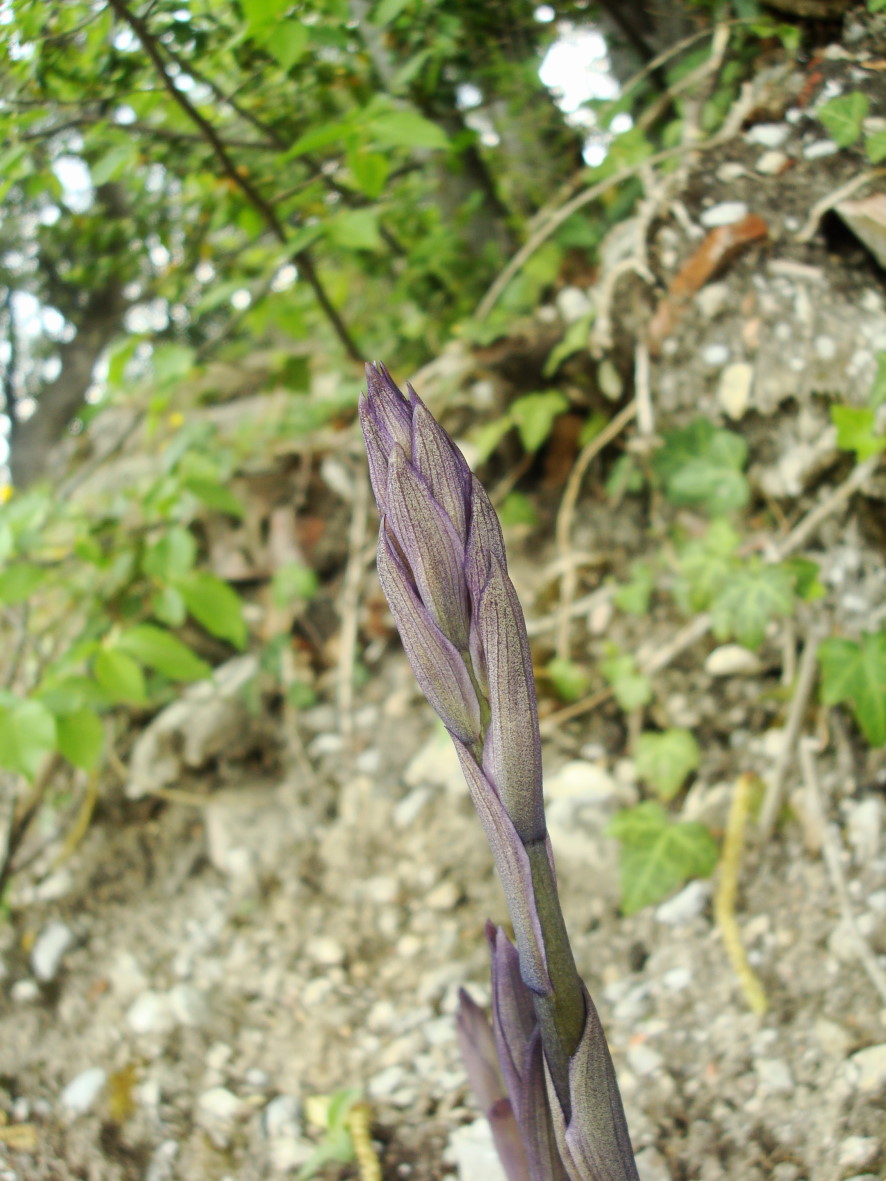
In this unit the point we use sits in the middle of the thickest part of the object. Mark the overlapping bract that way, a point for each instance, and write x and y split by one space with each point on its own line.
542 1074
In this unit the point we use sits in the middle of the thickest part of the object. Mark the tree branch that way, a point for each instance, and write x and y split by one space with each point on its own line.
302 258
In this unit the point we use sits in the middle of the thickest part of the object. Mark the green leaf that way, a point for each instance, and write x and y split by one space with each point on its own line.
388 10
216 605
214 495
749 600
119 676
633 597
664 760
843 117
486 438
168 606
807 584
577 337
173 555
569 680
705 566
80 738
18 582
113 163
856 673
288 43
701 465
517 509
534 415
355 229
630 687
625 477
406 129
370 171
165 653
172 362
877 392
291 581
875 145
27 734
855 431
658 855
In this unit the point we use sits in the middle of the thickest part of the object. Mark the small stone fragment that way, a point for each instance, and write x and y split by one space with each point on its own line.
820 148
866 1070
643 1060
715 355
685 906
573 304
771 163
857 1151
775 1076
325 950
150 1013
768 135
734 389
730 660
652 1166
81 1092
287 1148
218 1112
49 950
723 214
473 1152
580 780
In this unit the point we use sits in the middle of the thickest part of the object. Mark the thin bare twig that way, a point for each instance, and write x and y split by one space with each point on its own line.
236 175
774 796
349 605
804 529
831 853
827 203
727 892
567 510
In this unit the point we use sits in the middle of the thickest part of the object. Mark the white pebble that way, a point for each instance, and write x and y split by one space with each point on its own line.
731 660
774 1075
726 213
218 1111
858 1151
734 389
820 148
25 991
771 163
150 1013
81 1092
323 949
643 1060
652 1166
768 135
715 355
473 1153
825 348
286 1146
49 949
866 1070
685 906
573 304
676 979
584 781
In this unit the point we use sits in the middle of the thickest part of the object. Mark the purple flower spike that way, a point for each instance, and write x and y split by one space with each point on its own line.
556 1114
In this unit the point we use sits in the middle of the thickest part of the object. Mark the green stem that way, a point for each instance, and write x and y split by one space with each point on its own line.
560 1013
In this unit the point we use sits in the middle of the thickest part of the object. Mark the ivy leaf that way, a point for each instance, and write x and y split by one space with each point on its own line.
120 677
857 673
855 431
165 653
843 117
633 597
701 465
370 171
215 605
705 566
877 392
80 738
27 734
658 855
576 337
749 600
569 680
534 415
664 760
288 43
630 687
875 146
